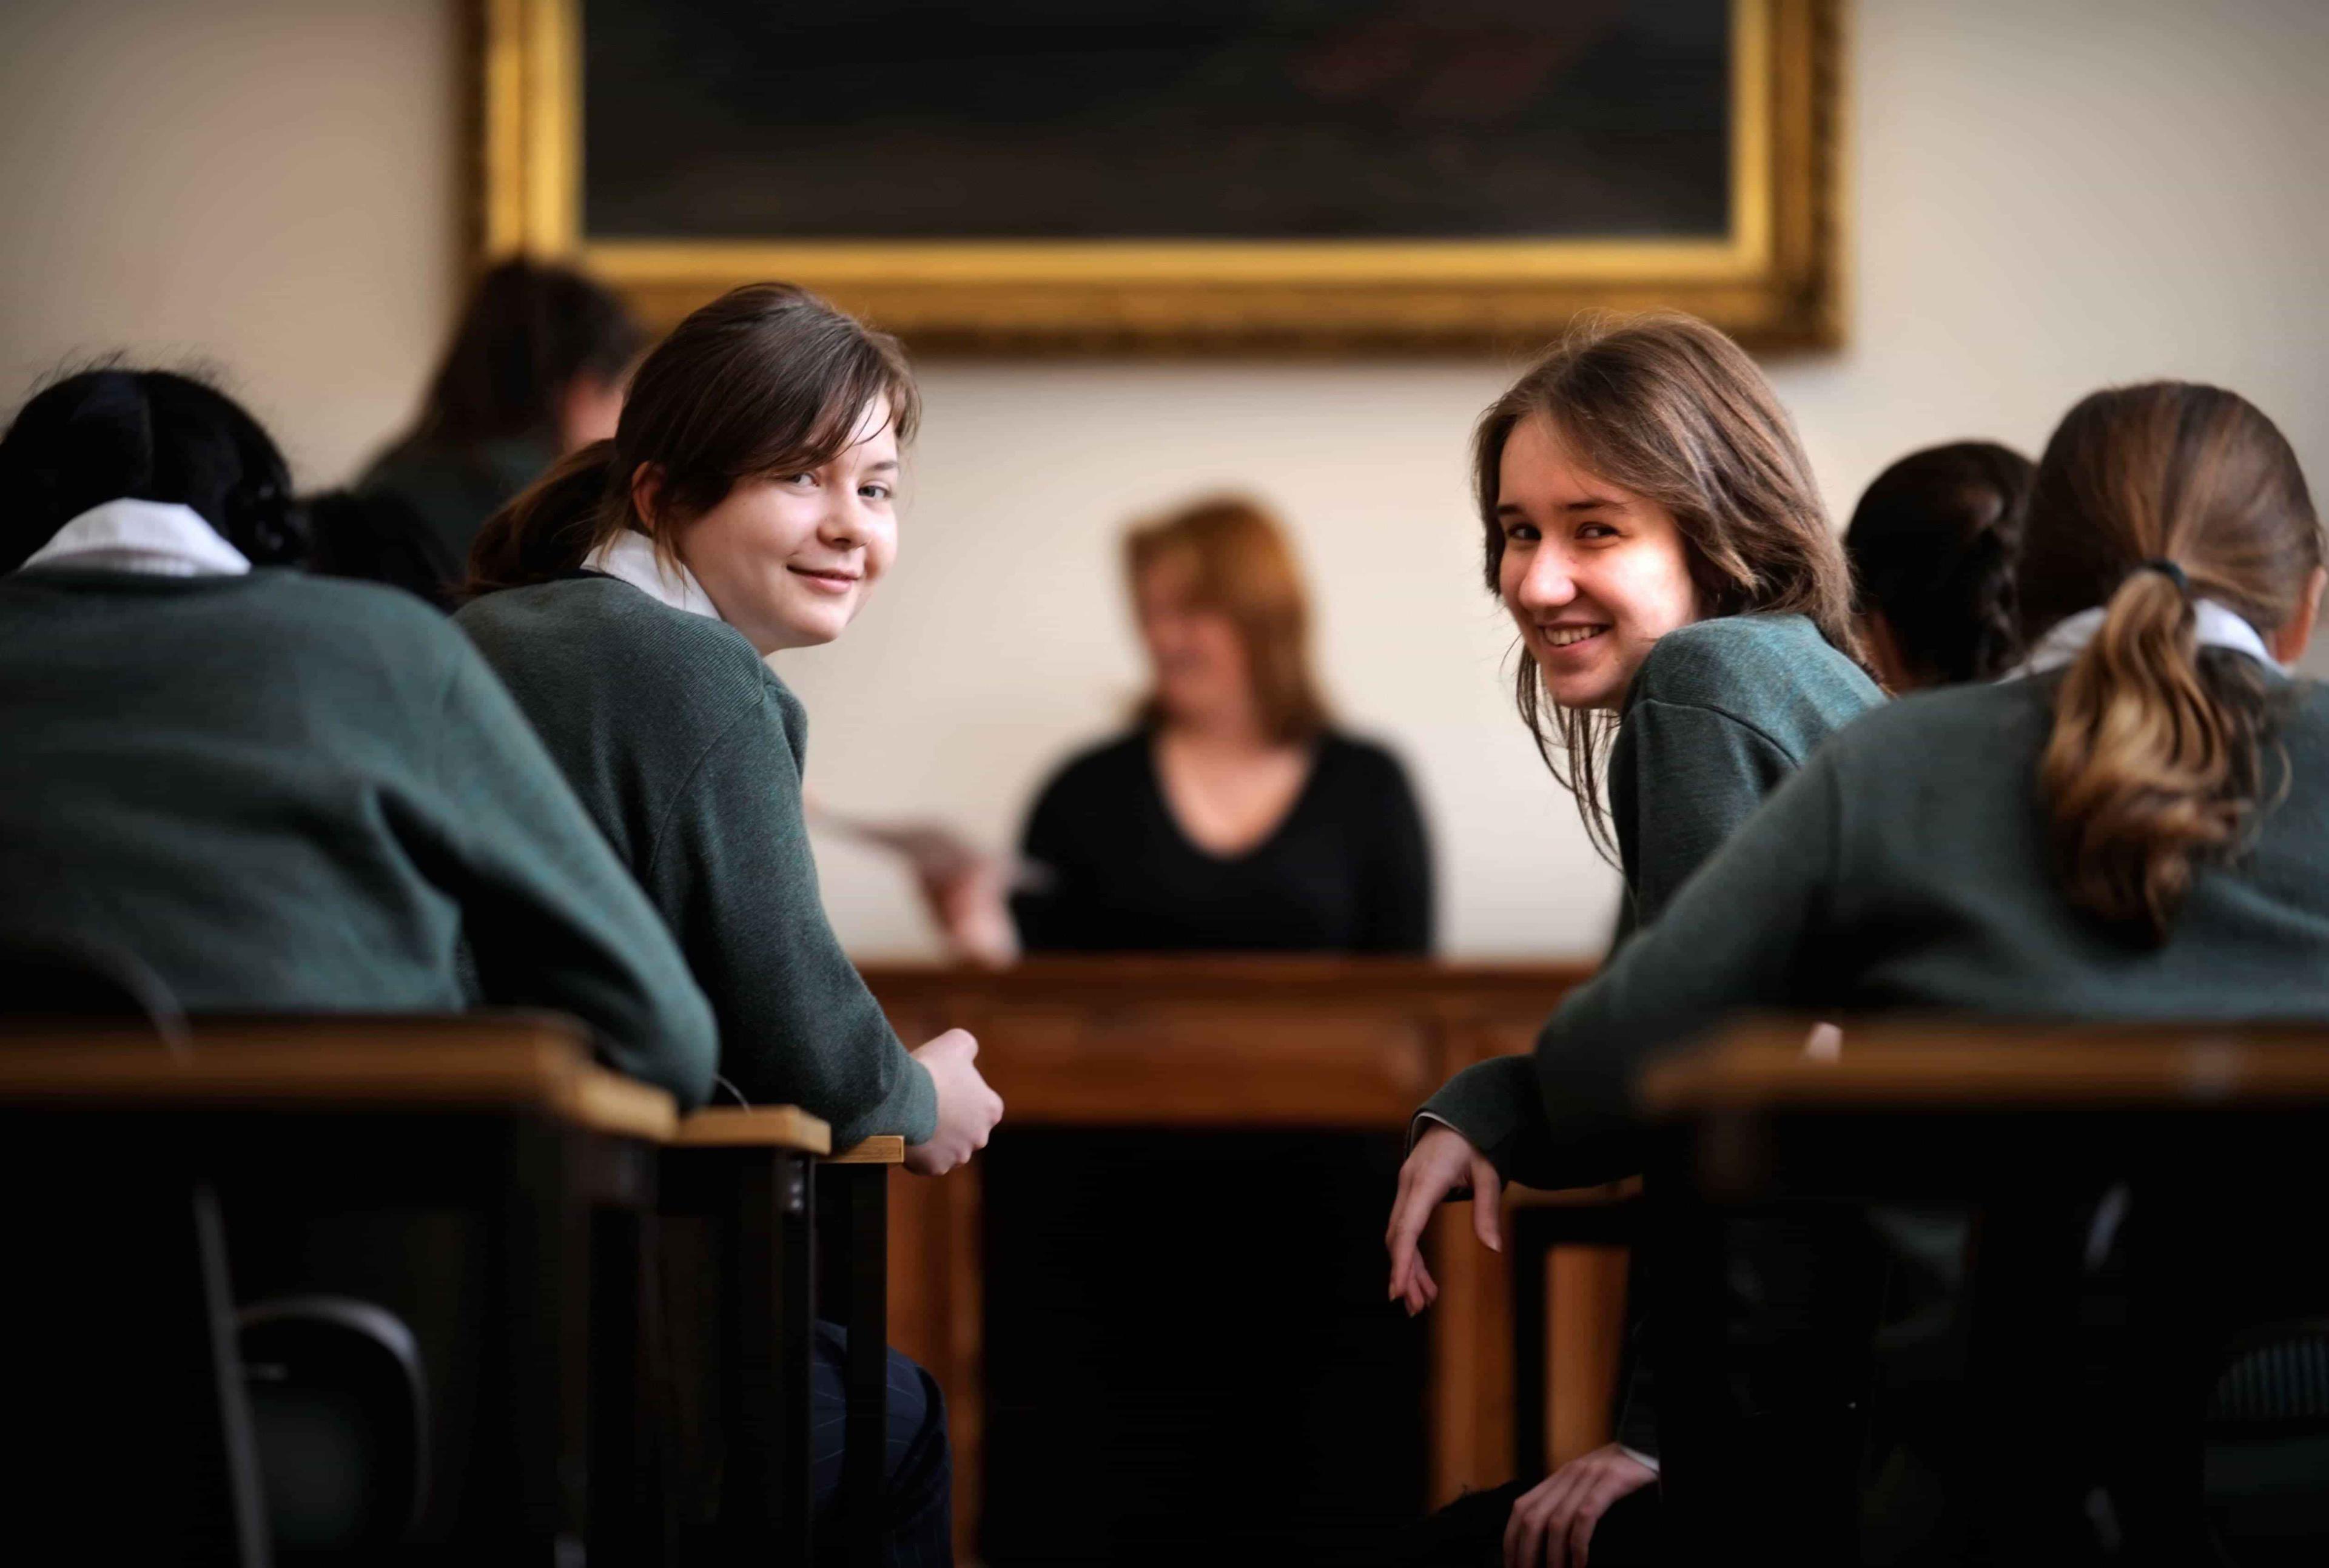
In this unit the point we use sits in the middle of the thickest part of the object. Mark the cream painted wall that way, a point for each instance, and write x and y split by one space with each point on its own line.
263 186
2048 195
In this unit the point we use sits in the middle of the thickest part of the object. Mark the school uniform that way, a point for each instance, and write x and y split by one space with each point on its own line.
686 749
288 794
1720 714
1907 865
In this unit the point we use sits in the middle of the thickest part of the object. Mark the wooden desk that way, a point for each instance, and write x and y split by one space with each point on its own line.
1204 1043
2210 1135
296 1117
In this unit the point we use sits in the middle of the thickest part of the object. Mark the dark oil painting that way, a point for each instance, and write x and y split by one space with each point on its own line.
1246 120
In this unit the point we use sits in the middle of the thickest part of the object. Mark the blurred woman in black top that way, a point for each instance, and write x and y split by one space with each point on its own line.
1232 817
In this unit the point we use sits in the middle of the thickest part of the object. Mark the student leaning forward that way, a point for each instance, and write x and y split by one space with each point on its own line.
746 505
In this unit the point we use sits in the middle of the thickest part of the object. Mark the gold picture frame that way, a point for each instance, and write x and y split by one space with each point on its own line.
1774 280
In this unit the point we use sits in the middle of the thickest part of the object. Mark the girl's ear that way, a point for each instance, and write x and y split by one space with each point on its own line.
647 491
2288 643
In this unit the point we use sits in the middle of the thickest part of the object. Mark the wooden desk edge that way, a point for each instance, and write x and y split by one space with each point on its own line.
1749 1073
608 1102
760 1127
881 1148
476 1071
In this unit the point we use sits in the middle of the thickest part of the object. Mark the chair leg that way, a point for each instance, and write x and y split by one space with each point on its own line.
865 1199
765 1497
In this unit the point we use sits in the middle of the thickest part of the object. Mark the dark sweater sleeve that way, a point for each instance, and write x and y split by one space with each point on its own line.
1396 915
552 917
1739 935
730 865
1694 775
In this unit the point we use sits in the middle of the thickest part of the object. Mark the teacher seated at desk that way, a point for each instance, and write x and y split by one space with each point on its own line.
1233 816
1232 819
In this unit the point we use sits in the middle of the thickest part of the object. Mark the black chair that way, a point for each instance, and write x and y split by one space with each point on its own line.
303 1417
2266 1465
340 1409
129 1392
48 977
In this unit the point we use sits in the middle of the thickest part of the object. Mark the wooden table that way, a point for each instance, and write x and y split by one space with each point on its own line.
1209 1043
502 1115
2215 1130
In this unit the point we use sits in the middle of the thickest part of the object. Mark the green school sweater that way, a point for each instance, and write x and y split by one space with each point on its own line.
687 750
291 794
1720 712
1907 865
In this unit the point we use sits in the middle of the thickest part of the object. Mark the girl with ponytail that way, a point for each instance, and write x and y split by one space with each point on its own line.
745 505
2181 565
2134 827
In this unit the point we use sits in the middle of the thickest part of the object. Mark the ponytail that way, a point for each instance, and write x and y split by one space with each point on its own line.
2155 762
549 528
2149 499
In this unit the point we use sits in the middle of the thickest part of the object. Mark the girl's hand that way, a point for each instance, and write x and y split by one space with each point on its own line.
967 1109
1552 1524
1441 1163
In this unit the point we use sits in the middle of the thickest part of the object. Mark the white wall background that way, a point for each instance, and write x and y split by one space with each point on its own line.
2047 195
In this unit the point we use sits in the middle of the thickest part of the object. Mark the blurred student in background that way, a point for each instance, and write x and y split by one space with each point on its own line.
1234 817
1933 544
536 369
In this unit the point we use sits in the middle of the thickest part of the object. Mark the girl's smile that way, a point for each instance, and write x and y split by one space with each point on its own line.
1591 573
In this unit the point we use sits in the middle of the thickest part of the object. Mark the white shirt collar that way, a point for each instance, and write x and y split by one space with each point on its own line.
157 538
2214 626
630 557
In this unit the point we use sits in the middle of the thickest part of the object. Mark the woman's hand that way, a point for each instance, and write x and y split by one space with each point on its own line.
1552 1524
966 891
967 1109
1441 1163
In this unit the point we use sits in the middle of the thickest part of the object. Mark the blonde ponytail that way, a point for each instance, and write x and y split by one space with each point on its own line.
2154 763
2150 498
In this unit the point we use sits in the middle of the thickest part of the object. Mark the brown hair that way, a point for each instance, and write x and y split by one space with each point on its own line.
1674 411
765 379
2155 762
1934 544
529 329
1241 565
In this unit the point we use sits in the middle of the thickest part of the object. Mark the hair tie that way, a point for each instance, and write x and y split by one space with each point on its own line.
2172 573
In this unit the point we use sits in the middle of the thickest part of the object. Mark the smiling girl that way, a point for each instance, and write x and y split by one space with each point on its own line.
746 505
1652 527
